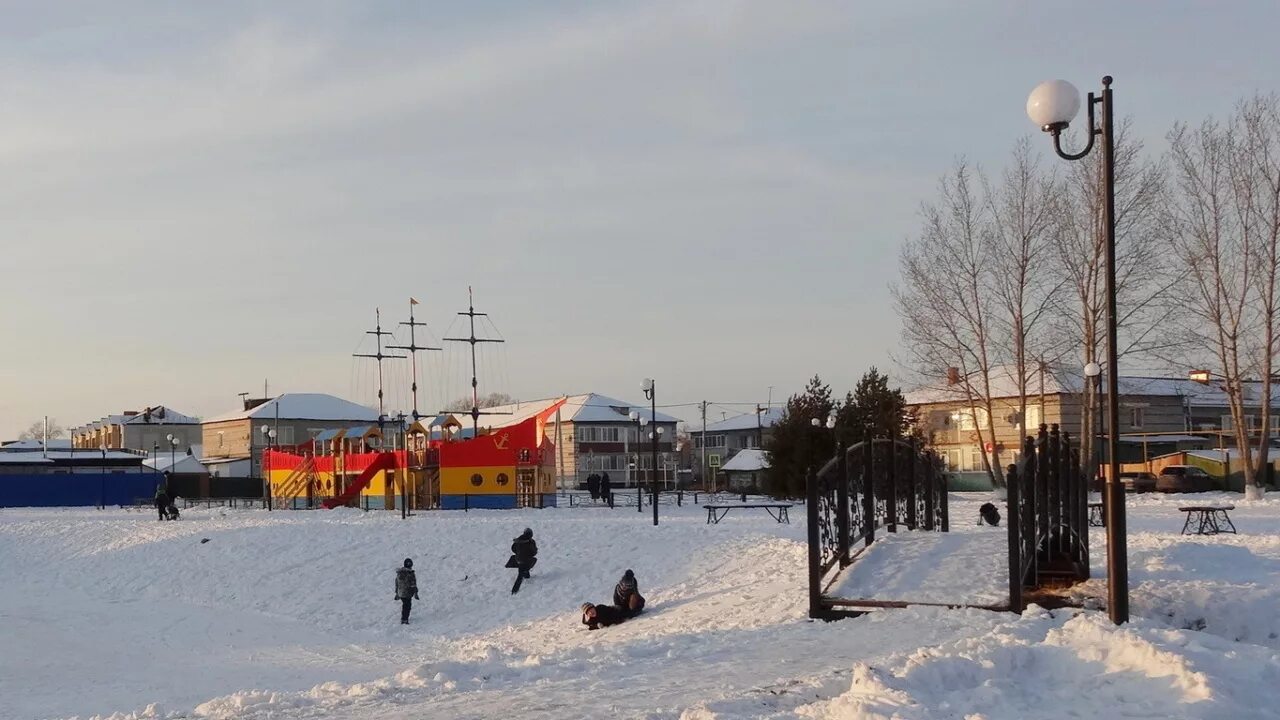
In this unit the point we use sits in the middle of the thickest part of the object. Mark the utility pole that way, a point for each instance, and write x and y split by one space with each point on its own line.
705 485
413 347
473 340
377 332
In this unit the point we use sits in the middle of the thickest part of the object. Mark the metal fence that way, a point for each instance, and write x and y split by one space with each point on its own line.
1049 516
885 483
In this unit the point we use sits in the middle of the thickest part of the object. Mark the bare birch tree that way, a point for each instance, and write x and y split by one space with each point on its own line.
1225 220
1144 276
1024 281
945 302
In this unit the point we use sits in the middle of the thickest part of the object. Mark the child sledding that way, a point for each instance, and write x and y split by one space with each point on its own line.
627 603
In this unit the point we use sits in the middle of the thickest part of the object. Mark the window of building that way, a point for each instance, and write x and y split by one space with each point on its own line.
1136 417
220 439
953 459
967 419
975 458
1034 418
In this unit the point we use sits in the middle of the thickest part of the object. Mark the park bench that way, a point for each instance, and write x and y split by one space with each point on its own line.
1096 517
778 511
1207 519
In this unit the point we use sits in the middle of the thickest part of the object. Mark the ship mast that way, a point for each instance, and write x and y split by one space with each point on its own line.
413 347
378 332
473 341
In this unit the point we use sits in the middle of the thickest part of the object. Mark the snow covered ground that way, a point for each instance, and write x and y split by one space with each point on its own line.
290 615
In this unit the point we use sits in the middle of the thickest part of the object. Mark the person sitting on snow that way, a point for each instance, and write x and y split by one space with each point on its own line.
406 589
626 595
597 616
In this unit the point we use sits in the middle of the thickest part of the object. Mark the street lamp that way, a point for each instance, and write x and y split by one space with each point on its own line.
173 450
102 480
1052 106
268 435
647 386
1093 371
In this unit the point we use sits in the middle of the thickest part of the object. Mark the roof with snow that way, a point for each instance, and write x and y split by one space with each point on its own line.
747 421
29 456
181 464
747 461
15 445
1056 382
154 415
304 406
587 408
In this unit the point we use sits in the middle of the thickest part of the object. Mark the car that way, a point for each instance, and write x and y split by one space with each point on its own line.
1138 481
1183 479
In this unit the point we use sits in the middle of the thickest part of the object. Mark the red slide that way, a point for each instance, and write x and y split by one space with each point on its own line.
384 461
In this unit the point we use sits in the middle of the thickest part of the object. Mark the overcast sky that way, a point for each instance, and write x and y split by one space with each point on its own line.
198 196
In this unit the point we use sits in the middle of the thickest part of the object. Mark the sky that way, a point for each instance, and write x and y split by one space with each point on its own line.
196 198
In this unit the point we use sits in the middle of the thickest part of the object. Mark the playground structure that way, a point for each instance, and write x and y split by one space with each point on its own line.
438 467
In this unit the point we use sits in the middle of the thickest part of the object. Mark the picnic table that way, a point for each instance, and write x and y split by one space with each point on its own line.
1096 517
778 511
1207 519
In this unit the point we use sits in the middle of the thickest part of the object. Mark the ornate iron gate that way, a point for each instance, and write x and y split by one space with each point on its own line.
874 484
1049 516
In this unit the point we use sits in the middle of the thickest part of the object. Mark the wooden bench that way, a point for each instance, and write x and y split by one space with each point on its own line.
778 511
1097 518
1207 519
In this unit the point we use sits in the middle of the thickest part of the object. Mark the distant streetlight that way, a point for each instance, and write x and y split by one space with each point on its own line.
1201 376
268 435
1052 106
647 385
173 451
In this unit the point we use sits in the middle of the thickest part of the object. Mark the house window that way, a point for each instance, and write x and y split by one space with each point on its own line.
971 419
1136 417
1034 418
975 458
220 437
953 459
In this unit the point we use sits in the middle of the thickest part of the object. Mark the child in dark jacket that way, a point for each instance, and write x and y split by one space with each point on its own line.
406 589
626 595
598 616
524 555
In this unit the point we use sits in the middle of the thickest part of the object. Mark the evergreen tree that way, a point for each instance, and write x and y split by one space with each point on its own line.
795 445
872 410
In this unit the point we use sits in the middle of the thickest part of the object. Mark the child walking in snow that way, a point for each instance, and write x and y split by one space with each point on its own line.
406 589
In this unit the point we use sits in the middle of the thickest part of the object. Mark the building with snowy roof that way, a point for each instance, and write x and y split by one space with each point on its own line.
148 429
726 438
233 442
595 433
1158 415
745 471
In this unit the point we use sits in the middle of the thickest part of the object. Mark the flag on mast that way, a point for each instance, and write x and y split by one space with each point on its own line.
413 301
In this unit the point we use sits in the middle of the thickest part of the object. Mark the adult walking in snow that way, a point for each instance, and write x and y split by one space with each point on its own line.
406 589
162 501
524 555
597 616
626 595
593 486
606 489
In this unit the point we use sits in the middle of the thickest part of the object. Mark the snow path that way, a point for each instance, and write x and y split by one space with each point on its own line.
289 615
967 565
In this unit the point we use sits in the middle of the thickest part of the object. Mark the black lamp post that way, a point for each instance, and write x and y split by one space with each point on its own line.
639 421
173 451
651 396
1093 372
1052 106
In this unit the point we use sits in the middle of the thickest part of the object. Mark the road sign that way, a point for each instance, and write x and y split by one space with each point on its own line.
713 461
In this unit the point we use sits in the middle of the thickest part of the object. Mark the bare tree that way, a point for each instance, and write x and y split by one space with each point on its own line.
1024 280
35 431
946 305
1225 220
1144 275
493 399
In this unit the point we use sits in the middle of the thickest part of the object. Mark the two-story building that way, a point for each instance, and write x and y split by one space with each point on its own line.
1157 415
729 436
149 430
233 442
597 434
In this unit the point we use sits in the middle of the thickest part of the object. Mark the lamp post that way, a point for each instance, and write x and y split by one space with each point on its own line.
635 418
1052 105
268 434
173 450
102 479
651 396
1093 371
